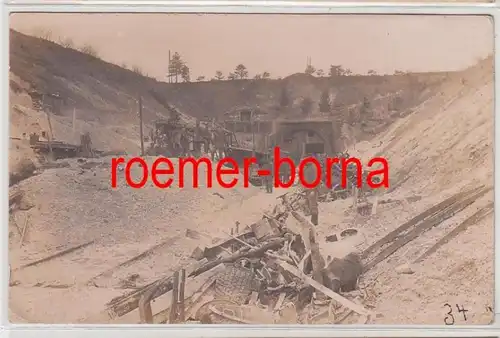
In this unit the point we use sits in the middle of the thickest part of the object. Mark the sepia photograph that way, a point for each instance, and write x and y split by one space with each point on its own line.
251 169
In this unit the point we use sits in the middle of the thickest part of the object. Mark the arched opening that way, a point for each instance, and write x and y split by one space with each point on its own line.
301 141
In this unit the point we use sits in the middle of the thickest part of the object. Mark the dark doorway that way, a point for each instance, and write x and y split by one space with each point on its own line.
314 148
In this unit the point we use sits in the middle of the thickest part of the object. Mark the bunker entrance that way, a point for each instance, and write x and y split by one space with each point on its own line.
314 148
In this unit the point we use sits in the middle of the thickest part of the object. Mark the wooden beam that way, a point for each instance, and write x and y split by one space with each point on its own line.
181 301
476 217
145 311
172 318
122 305
56 255
128 262
438 218
237 255
194 289
422 216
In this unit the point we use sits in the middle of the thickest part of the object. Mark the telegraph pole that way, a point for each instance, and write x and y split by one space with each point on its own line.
50 135
74 122
253 133
140 125
169 74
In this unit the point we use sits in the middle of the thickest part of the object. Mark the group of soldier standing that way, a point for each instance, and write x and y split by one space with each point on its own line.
310 175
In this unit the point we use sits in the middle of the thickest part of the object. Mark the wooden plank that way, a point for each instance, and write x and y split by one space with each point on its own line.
449 212
237 255
172 318
420 217
145 311
262 229
122 305
335 296
128 262
181 303
318 263
24 231
476 217
194 287
214 250
56 255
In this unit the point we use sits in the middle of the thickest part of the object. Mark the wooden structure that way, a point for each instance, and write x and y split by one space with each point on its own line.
61 149
46 102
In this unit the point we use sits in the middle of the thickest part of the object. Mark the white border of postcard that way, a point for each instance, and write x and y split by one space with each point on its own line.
220 331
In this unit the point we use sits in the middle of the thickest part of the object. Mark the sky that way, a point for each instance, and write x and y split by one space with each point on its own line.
279 44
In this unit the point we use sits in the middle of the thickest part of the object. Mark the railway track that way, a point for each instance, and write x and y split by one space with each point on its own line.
418 225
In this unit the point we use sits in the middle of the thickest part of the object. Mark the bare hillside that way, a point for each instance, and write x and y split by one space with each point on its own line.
106 94
445 147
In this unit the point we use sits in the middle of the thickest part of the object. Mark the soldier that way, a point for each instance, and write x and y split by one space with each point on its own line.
268 179
310 175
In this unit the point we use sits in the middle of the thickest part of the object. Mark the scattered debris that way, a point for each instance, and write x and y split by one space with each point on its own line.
266 267
276 265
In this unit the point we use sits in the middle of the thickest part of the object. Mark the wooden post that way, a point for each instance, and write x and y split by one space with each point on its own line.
182 284
175 294
145 311
74 122
355 193
50 129
169 72
253 135
140 125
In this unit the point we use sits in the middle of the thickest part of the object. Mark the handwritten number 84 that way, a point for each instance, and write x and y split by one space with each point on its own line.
450 319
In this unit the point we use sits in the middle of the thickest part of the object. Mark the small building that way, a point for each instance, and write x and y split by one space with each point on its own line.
244 119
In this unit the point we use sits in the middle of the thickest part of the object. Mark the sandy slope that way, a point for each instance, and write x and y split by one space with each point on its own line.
444 146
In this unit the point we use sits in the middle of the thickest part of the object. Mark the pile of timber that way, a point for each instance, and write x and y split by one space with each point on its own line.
266 267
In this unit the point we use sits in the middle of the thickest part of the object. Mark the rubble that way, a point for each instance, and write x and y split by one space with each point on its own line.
275 266
267 267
